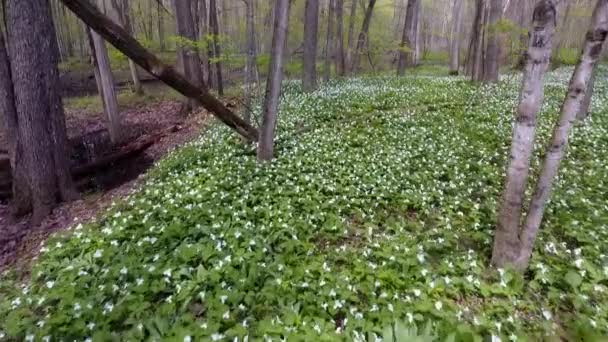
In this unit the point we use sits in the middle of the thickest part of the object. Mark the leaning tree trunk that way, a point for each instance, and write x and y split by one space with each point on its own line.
491 72
21 202
41 124
580 81
455 42
408 40
583 112
273 83
133 49
329 41
217 54
339 49
251 66
187 53
363 36
311 28
351 35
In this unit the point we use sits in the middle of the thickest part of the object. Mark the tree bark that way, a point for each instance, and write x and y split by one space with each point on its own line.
491 69
583 112
126 21
41 124
275 78
506 238
149 62
594 40
351 35
217 55
478 45
408 40
203 34
455 42
251 67
363 35
160 26
339 49
311 29
329 41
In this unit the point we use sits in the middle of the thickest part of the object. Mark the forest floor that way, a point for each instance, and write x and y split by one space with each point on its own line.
374 223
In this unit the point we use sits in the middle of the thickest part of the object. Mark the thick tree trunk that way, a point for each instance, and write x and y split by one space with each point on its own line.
339 49
273 83
478 45
579 83
363 35
351 35
408 40
455 42
583 112
506 239
187 54
21 203
217 54
329 41
41 124
311 29
251 67
107 91
491 69
134 50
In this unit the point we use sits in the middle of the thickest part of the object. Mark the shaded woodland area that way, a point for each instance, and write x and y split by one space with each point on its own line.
218 97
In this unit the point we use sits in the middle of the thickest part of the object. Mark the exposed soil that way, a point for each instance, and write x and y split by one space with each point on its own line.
20 242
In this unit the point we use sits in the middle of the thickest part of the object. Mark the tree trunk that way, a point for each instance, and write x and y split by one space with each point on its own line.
478 44
160 26
363 35
126 22
580 81
21 203
506 239
455 43
251 67
351 34
203 33
491 69
408 40
339 50
41 124
187 53
311 28
329 41
107 91
133 49
217 55
583 112
273 83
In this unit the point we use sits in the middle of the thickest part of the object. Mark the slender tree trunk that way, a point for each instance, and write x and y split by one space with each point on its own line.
329 41
126 22
455 42
556 150
408 40
491 69
21 202
311 29
583 112
275 78
339 50
506 239
363 35
251 67
217 55
41 127
160 26
478 46
188 54
203 32
351 34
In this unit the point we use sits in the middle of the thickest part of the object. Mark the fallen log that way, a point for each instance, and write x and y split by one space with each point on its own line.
117 36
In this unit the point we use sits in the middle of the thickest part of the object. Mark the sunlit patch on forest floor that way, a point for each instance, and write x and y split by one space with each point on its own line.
375 220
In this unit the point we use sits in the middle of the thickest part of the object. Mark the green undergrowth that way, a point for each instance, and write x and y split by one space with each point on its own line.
374 223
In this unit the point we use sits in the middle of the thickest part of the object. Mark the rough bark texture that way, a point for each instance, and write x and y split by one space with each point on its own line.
311 28
351 35
506 239
273 83
339 49
251 66
329 42
583 112
41 131
455 42
361 41
492 53
217 53
187 54
579 83
408 40
149 62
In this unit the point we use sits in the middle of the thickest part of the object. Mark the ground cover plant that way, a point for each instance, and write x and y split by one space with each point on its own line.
375 222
